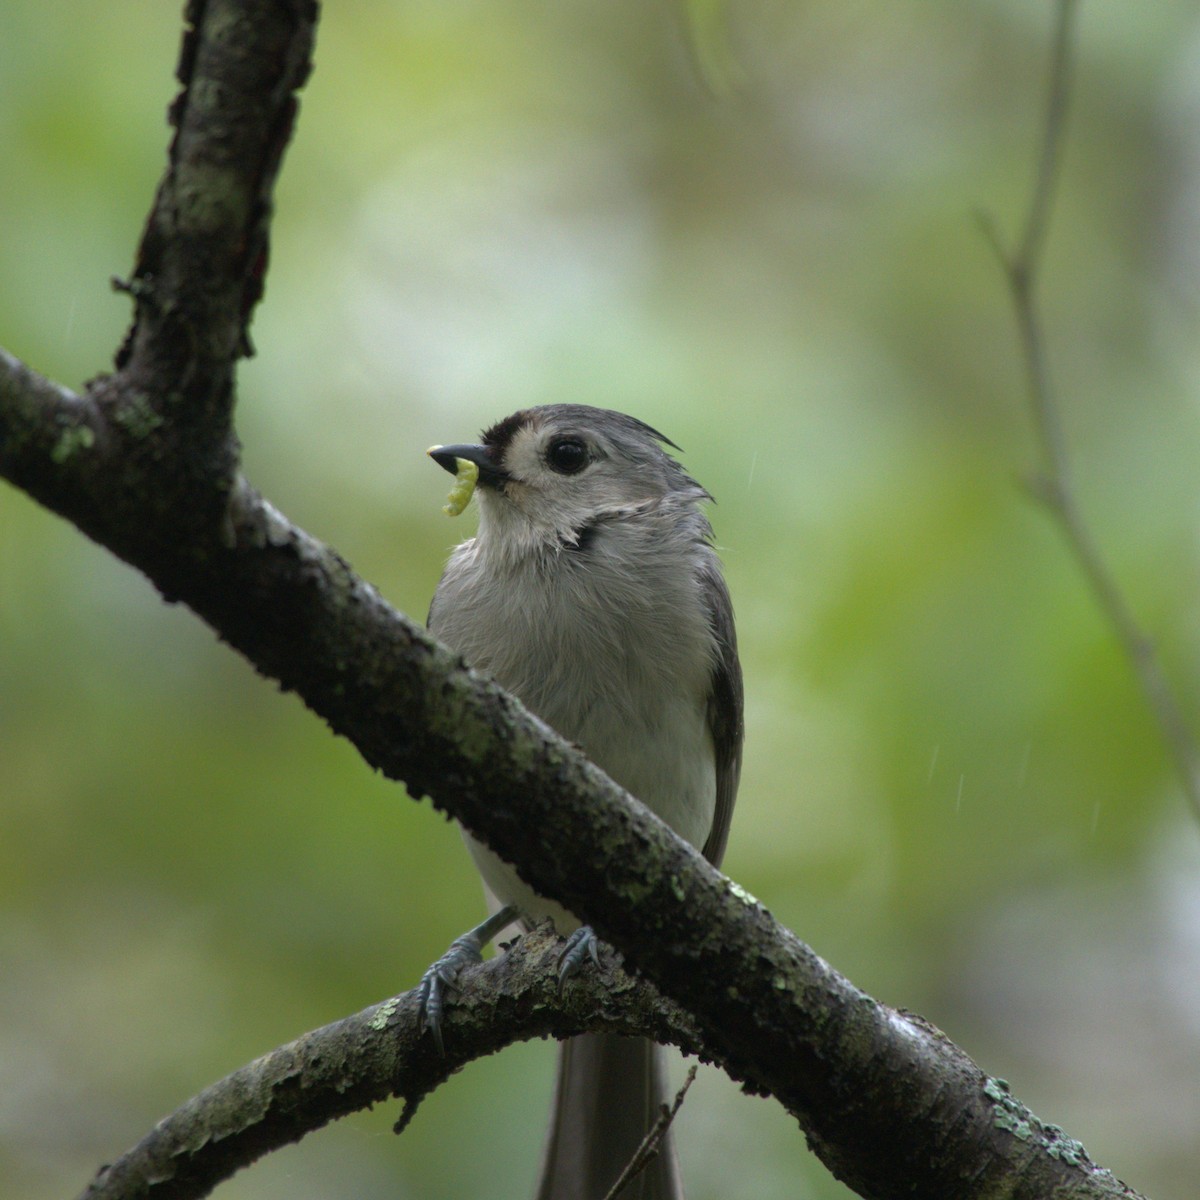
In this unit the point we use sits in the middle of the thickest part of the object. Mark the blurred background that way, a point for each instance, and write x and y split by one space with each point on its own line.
759 234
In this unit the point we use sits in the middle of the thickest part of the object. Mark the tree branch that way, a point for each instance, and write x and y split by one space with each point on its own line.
147 460
203 255
374 1055
145 463
1053 486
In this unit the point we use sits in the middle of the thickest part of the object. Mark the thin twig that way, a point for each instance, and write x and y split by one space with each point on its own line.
644 1154
1053 486
1025 264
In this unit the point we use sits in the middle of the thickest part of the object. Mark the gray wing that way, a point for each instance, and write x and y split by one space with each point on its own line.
725 722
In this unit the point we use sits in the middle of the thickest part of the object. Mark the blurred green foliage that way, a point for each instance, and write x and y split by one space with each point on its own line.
952 790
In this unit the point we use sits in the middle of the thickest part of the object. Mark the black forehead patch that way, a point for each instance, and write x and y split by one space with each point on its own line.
500 435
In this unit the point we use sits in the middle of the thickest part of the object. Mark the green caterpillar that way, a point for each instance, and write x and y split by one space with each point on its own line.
464 487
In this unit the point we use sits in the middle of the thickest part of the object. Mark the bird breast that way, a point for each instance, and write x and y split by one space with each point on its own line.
612 649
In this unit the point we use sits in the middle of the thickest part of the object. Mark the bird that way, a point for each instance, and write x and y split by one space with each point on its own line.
593 593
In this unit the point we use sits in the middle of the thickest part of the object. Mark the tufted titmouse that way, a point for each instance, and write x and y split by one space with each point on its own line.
593 593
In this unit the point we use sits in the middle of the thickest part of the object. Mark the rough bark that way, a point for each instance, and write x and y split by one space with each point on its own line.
145 462
374 1055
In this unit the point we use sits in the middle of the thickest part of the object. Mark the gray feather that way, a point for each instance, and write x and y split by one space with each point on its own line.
725 712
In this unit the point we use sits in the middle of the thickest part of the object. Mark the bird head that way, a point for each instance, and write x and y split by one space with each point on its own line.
549 473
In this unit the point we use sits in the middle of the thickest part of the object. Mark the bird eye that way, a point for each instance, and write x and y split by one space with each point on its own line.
566 455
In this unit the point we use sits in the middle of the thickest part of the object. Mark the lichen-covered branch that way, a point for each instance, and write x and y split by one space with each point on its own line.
145 463
203 255
146 460
373 1056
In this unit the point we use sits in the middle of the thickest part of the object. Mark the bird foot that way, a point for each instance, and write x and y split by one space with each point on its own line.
442 977
581 945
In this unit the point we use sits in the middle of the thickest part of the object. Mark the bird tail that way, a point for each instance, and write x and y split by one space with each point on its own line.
609 1093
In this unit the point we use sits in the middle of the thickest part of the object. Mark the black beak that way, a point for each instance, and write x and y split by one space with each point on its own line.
490 475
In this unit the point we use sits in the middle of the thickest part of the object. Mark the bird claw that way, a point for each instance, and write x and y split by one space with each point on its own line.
439 981
442 976
581 945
